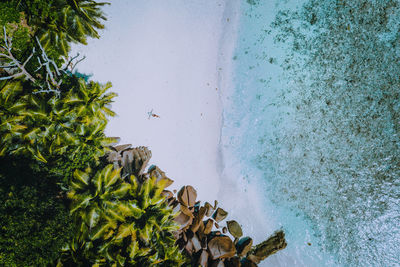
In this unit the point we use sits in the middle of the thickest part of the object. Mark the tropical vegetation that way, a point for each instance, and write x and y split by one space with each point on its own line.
60 202
67 196
120 221
34 219
51 123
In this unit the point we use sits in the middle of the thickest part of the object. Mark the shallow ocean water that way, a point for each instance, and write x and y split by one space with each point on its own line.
314 120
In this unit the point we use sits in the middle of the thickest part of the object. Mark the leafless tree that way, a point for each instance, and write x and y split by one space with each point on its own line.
53 74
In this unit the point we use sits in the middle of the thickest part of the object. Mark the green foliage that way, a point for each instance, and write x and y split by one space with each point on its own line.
34 222
120 222
46 138
15 25
45 126
57 23
8 13
43 139
67 163
21 42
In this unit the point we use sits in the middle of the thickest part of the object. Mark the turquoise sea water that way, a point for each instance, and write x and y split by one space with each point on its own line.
314 120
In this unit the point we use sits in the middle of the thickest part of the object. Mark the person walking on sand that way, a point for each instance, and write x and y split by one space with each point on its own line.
151 114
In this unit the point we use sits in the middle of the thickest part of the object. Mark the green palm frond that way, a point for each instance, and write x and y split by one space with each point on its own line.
69 21
81 177
116 224
45 127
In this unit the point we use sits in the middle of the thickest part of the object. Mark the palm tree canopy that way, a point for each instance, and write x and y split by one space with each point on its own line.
57 23
45 125
120 221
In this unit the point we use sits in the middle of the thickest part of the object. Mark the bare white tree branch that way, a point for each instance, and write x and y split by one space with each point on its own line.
53 76
13 62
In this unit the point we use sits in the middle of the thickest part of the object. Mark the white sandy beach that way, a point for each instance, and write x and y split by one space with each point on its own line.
164 56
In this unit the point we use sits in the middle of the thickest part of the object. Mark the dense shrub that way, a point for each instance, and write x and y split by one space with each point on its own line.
34 222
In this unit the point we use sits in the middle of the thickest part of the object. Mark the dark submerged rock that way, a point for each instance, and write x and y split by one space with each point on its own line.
270 246
244 246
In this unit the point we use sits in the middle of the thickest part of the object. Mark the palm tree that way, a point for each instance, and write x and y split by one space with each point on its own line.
87 110
70 21
120 221
57 23
12 118
45 126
